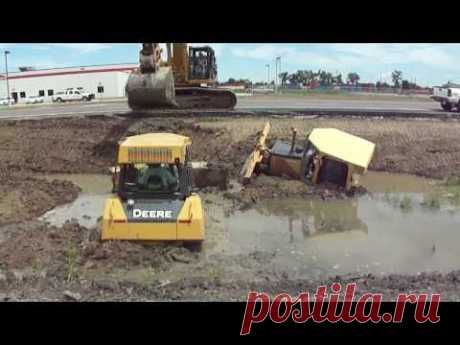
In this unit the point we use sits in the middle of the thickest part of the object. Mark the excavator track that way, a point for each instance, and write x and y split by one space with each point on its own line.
204 98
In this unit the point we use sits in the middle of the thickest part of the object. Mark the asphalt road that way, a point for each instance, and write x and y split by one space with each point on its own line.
256 103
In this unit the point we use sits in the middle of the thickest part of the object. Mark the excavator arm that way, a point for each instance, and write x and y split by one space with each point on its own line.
149 58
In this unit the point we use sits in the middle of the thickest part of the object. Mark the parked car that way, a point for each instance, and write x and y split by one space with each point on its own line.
6 101
73 94
34 99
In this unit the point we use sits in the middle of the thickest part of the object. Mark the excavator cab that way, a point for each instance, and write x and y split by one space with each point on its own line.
202 62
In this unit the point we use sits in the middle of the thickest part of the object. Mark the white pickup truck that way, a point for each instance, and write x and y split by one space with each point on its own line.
449 97
73 95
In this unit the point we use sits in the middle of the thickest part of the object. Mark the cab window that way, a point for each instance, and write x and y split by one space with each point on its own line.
150 178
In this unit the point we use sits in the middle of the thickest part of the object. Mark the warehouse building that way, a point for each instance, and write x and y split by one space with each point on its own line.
105 81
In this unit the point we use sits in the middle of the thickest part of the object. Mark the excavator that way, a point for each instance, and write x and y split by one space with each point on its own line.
185 81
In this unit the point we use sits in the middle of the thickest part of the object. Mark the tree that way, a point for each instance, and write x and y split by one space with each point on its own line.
293 78
382 85
353 78
338 79
396 76
325 78
231 81
283 77
405 84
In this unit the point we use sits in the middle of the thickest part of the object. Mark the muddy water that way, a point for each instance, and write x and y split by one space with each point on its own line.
392 232
88 206
399 183
397 227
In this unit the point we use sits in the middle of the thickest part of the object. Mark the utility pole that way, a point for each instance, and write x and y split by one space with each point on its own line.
268 74
278 69
6 75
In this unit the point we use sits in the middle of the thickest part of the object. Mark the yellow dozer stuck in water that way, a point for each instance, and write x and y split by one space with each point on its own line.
328 155
153 198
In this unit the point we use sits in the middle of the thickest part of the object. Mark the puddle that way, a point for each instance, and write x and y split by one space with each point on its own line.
89 183
376 181
379 233
88 206
394 229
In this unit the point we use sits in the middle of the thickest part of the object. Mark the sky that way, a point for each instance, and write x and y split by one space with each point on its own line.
427 64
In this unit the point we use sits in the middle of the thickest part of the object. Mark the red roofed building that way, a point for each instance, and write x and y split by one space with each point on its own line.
105 81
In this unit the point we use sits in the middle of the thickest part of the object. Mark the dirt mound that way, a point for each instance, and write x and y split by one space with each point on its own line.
107 148
23 197
272 187
59 250
54 145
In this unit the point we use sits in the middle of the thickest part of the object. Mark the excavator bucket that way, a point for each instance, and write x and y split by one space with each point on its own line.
151 90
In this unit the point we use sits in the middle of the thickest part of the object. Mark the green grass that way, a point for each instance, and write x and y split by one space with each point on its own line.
36 266
391 197
214 273
335 94
406 204
452 186
453 181
148 275
432 202
72 257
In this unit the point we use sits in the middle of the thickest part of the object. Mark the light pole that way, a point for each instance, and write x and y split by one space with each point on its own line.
268 74
6 75
278 69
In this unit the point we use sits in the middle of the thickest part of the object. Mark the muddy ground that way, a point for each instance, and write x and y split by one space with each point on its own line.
39 261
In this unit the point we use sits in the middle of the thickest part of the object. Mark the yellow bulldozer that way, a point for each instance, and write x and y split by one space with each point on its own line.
328 155
185 80
153 198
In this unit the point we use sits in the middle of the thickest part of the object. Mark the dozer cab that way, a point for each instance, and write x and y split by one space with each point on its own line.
153 198
185 81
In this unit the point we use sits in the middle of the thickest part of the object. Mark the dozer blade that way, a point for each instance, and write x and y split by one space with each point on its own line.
151 90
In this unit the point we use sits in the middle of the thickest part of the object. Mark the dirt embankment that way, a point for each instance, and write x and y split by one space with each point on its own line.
428 147
64 145
24 197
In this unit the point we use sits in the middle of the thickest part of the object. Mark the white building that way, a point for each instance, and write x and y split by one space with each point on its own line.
104 81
